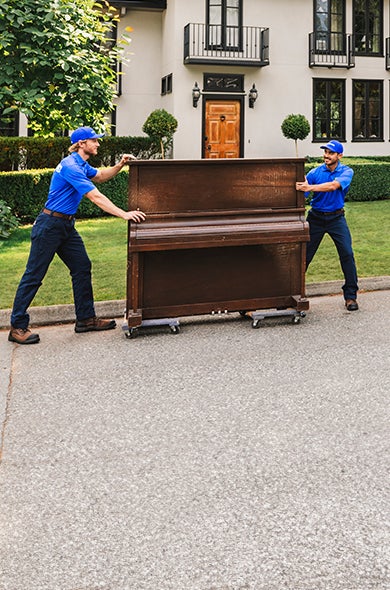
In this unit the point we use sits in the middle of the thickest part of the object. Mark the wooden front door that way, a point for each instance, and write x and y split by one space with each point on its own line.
222 129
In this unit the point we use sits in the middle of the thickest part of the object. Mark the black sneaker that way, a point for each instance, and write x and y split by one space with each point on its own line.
351 305
94 325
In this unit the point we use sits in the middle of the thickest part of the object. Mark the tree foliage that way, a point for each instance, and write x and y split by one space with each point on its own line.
57 58
295 127
160 126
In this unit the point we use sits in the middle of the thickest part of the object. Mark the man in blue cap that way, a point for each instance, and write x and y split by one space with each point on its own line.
329 184
54 233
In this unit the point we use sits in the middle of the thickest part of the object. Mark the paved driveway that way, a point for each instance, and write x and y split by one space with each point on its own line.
221 458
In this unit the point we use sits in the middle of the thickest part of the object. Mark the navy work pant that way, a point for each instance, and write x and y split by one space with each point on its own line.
337 228
49 236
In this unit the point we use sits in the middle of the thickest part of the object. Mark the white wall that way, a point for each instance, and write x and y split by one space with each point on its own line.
141 80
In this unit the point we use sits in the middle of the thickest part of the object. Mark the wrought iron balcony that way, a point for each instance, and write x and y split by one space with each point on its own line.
331 50
217 44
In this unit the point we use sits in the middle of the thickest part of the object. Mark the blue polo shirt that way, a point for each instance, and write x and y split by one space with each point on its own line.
69 183
332 200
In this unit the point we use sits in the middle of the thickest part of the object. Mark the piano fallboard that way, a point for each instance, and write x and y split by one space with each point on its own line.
176 233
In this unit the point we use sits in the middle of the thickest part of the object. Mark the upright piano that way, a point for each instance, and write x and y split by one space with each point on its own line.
223 235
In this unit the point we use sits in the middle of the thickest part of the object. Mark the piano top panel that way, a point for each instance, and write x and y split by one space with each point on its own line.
164 187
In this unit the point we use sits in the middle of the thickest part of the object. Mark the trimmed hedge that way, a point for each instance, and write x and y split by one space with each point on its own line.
25 192
31 153
371 180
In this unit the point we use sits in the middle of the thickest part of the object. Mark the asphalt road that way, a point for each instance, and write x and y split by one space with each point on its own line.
220 458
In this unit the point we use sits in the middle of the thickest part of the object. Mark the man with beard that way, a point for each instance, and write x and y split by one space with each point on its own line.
329 184
54 233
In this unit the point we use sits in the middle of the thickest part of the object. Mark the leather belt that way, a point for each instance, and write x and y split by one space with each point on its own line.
337 212
58 214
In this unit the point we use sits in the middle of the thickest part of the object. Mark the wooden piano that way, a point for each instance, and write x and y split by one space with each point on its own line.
220 235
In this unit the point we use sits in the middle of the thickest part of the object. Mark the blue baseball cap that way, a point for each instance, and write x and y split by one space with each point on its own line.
83 133
333 146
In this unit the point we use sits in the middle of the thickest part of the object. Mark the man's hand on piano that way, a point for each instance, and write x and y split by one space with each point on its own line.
136 216
126 159
302 186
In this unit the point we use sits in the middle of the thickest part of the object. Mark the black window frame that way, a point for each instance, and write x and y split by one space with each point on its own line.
166 84
330 40
366 137
365 52
329 133
224 42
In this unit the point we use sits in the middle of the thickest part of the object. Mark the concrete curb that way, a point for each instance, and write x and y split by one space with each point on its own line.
61 314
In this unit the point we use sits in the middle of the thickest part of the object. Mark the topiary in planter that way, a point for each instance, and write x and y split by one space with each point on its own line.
295 127
160 126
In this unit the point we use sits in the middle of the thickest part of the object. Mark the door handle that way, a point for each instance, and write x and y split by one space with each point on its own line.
209 147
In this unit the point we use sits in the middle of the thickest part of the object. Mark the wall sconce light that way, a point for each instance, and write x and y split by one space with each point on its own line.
195 95
253 94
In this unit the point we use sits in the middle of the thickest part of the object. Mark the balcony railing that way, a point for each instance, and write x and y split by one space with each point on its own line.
141 4
331 50
217 44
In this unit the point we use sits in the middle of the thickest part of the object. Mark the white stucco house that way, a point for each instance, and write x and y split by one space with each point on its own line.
230 71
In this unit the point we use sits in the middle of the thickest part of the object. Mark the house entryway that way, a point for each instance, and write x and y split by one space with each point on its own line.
222 125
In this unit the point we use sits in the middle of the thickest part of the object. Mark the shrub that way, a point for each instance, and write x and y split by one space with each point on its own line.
8 221
371 180
25 192
160 126
32 153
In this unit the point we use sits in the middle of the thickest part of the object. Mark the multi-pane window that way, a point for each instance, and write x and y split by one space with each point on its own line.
368 110
9 125
329 25
367 26
224 23
328 109
166 85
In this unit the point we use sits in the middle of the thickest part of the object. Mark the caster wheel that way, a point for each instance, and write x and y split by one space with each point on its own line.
255 324
131 333
296 319
302 314
175 329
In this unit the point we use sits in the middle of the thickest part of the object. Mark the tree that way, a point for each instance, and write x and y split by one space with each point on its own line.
295 127
160 126
57 58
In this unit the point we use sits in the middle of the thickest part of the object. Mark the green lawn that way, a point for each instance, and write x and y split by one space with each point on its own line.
106 243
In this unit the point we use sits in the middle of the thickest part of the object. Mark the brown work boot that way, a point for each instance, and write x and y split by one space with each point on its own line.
94 325
22 336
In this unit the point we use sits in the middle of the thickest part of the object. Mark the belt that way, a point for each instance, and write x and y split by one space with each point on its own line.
58 214
337 212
